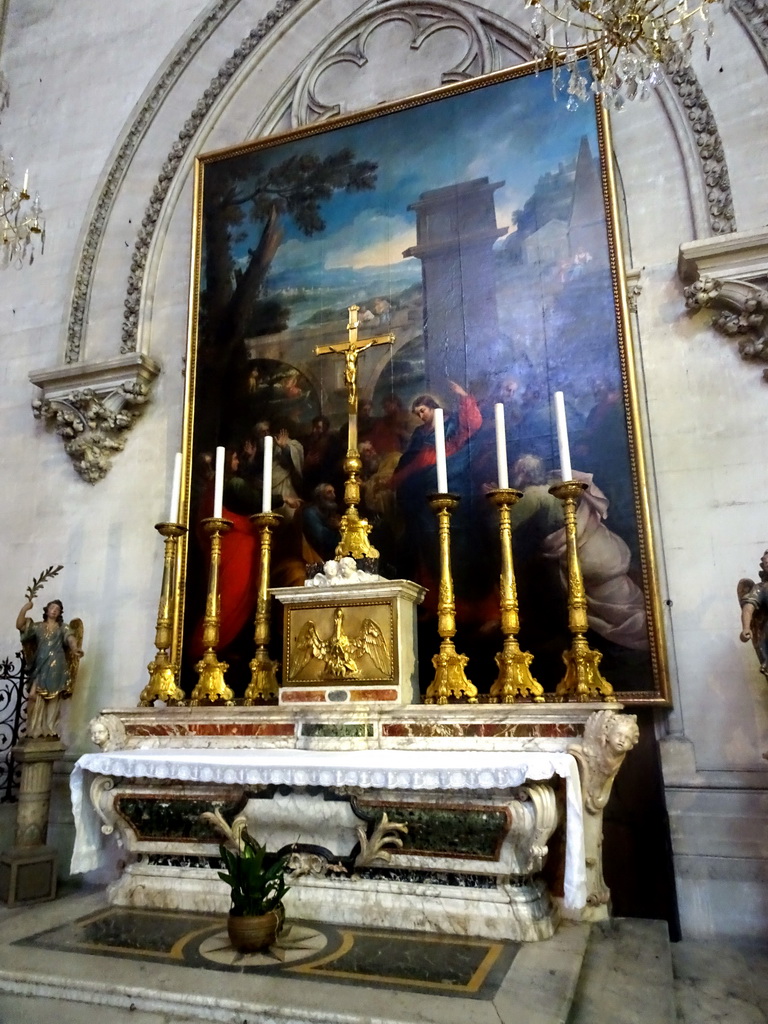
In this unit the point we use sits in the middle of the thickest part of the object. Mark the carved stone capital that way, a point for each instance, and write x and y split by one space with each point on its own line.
92 407
608 737
729 276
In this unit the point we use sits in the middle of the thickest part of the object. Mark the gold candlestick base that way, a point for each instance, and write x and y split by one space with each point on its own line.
211 686
353 528
450 679
162 683
515 681
582 680
263 687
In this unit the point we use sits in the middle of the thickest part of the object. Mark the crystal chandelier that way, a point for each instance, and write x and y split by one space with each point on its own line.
631 44
20 223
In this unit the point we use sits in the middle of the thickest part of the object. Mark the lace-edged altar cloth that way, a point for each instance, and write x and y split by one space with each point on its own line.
413 770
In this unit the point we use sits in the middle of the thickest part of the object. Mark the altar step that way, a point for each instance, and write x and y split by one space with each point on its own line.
619 972
626 975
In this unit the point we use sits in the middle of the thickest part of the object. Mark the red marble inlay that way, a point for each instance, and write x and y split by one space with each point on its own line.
304 696
213 729
373 694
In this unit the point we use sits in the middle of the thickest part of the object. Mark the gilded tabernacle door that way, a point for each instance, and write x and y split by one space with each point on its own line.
475 230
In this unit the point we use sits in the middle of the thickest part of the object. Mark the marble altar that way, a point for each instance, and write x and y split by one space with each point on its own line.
479 820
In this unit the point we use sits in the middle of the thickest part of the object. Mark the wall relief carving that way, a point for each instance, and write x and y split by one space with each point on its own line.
92 408
730 277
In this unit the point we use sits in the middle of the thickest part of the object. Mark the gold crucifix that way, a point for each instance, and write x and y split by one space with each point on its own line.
351 350
354 530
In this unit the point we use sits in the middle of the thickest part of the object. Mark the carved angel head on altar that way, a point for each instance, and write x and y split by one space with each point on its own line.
621 733
348 569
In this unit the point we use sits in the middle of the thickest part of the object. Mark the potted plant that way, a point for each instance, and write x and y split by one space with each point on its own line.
257 884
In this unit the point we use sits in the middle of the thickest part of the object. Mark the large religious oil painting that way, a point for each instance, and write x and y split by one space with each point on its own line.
474 225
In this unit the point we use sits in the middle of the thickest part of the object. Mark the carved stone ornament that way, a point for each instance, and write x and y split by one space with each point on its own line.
730 277
608 737
92 407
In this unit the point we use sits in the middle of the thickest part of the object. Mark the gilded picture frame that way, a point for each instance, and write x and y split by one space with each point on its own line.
478 224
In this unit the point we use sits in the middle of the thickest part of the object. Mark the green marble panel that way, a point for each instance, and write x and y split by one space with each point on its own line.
174 818
336 729
447 832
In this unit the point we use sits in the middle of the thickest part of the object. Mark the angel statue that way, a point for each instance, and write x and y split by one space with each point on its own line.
52 651
753 598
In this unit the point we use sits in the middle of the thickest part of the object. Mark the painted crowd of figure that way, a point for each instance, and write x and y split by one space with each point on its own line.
397 451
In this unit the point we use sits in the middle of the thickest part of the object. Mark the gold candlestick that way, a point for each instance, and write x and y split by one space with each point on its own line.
162 683
211 685
354 530
263 685
450 679
514 681
582 680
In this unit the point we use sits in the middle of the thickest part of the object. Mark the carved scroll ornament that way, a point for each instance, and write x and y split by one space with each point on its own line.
741 313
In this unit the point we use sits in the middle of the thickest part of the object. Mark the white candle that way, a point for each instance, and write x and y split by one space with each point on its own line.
442 468
266 475
501 446
26 180
218 487
562 437
352 442
173 512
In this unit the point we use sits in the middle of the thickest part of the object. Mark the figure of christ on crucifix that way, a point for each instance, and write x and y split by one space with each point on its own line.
351 350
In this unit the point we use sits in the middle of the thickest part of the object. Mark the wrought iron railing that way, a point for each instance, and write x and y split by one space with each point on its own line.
14 691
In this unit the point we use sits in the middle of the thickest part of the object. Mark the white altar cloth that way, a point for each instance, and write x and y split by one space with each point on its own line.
368 769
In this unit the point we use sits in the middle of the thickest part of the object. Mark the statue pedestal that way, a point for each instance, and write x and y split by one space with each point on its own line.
28 874
28 870
350 643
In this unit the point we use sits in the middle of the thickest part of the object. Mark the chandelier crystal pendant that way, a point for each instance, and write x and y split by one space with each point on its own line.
21 222
631 44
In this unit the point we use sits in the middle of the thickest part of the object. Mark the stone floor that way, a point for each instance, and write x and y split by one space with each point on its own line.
76 961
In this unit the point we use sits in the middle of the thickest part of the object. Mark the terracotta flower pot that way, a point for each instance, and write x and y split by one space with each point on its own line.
250 934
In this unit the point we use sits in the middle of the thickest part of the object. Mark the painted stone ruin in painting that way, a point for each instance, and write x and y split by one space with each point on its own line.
485 252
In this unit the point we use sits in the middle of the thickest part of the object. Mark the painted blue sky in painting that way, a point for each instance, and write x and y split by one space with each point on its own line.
512 131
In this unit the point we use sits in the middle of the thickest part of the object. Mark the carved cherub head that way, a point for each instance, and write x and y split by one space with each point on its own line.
99 731
348 568
621 733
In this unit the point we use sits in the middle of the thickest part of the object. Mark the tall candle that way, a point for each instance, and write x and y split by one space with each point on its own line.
26 181
442 468
352 441
562 437
218 487
501 446
266 476
173 512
